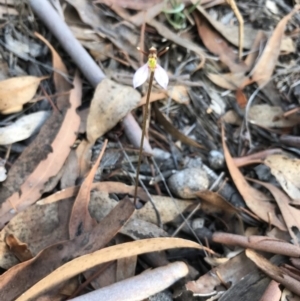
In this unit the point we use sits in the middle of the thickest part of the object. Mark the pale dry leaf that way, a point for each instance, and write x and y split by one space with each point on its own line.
17 91
111 103
70 170
86 262
85 34
263 70
5 10
229 81
271 117
168 209
287 172
289 213
154 96
287 46
179 94
23 128
232 117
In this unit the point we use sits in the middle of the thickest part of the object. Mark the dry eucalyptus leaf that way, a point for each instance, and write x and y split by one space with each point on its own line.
179 94
83 263
263 70
23 128
111 102
16 91
286 171
48 224
269 116
289 213
208 282
232 117
229 81
256 200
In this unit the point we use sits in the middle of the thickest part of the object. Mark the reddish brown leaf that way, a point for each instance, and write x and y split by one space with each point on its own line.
272 293
216 44
254 199
274 272
80 220
260 243
19 249
241 98
256 157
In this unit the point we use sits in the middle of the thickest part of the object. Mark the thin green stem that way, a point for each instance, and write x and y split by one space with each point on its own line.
142 137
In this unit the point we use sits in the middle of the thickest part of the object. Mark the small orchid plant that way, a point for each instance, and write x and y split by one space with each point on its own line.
160 74
140 76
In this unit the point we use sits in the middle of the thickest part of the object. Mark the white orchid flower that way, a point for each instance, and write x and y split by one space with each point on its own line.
142 73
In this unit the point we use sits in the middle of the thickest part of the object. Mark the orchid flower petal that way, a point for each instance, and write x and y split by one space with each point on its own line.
161 76
140 76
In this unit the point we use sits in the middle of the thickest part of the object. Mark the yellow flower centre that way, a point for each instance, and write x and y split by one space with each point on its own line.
152 63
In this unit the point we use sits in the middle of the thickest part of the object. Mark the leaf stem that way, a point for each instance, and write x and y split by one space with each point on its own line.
142 137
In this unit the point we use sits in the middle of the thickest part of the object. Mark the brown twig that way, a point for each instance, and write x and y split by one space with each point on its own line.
241 25
143 135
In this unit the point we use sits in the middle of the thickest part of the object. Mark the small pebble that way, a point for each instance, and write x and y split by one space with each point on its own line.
185 182
161 154
216 159
198 223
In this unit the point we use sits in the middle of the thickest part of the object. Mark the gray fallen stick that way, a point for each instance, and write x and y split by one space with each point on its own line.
88 67
139 287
